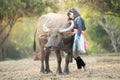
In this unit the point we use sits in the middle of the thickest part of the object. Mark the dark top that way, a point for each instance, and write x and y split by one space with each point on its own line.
78 24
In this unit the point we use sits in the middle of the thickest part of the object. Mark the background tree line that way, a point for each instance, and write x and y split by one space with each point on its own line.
18 19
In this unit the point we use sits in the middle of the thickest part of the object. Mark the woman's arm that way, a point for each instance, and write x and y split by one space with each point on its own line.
79 25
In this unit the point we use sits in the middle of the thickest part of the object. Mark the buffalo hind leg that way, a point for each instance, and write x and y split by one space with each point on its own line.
66 68
47 69
59 59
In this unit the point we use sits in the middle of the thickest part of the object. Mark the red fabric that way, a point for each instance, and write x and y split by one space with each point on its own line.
85 43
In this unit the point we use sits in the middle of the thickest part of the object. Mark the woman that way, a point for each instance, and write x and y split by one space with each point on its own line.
78 38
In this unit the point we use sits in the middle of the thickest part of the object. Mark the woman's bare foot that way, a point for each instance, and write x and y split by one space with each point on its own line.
86 69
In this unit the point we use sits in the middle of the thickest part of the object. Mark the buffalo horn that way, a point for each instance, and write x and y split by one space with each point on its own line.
68 28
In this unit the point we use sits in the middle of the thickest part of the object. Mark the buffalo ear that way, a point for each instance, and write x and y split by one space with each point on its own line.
67 34
62 34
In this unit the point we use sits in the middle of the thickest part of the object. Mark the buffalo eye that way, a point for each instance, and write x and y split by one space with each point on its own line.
56 36
49 34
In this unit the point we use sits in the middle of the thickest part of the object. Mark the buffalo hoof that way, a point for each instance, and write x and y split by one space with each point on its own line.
42 71
47 71
59 72
66 71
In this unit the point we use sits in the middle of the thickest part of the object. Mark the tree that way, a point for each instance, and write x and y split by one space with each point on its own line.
11 10
110 11
108 7
111 27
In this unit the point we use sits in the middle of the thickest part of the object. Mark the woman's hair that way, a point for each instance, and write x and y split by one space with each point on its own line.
68 14
74 11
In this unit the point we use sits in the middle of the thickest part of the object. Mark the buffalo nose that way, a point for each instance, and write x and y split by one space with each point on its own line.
48 47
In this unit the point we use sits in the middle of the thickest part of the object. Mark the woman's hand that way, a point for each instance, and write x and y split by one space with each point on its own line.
82 32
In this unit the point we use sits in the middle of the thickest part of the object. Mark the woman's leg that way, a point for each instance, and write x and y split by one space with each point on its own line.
80 63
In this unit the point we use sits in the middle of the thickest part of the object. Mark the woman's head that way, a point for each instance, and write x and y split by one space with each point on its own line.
72 13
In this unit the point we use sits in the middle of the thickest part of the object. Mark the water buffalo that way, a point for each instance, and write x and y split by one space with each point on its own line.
52 38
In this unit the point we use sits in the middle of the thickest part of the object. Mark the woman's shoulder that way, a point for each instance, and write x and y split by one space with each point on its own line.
77 19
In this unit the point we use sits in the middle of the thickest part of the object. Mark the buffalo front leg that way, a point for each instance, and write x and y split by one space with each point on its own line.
47 69
59 59
42 62
42 43
66 68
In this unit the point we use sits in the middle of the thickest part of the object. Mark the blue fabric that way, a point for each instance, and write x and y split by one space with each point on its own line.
78 36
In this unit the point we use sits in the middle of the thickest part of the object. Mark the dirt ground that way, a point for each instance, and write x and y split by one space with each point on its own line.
103 67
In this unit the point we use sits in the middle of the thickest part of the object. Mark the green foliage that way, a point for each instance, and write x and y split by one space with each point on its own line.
22 35
9 51
109 7
13 53
7 59
11 10
97 38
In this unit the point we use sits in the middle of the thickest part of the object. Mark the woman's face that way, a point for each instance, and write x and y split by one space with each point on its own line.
71 15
